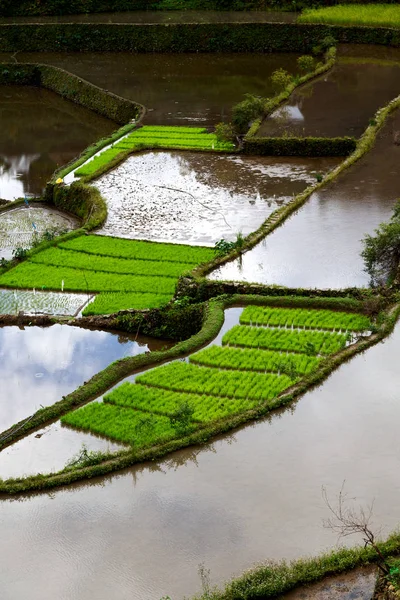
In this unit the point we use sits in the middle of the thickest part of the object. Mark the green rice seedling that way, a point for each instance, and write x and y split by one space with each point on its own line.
185 377
249 359
32 275
140 429
305 318
79 260
206 408
283 339
112 302
138 249
378 15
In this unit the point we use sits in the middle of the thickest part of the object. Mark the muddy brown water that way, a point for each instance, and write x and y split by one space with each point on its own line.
320 245
176 16
39 132
342 102
356 585
248 496
40 365
177 89
199 198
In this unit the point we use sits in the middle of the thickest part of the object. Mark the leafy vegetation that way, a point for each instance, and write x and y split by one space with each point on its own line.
182 138
246 111
309 319
112 302
380 15
138 274
305 342
255 360
381 252
185 377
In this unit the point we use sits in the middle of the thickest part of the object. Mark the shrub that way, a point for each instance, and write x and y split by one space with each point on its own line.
246 111
305 63
225 132
280 80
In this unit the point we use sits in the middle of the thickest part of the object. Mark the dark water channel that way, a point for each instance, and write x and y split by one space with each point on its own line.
320 245
40 365
177 89
39 132
163 16
342 102
249 496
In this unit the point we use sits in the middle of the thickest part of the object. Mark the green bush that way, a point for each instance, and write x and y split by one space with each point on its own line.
280 79
246 111
305 63
225 132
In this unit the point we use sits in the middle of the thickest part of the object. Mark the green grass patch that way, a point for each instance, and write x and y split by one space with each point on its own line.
140 429
181 138
112 302
378 15
309 319
137 249
185 377
305 342
249 359
166 402
92 262
29 275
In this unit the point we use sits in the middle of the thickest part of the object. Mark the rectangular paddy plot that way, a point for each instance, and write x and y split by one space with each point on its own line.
218 382
200 197
320 245
131 274
181 138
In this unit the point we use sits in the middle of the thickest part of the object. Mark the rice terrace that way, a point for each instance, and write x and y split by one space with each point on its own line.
199 299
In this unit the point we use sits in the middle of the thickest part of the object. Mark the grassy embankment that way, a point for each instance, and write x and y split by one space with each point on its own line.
377 15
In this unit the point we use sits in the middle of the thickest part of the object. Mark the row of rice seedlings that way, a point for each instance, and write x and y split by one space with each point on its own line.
206 408
138 249
112 302
79 260
33 275
140 429
305 342
177 138
306 318
185 377
256 360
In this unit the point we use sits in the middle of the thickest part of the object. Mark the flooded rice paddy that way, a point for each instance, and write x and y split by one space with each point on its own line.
21 226
200 198
177 89
40 365
36 302
341 102
320 245
128 535
39 132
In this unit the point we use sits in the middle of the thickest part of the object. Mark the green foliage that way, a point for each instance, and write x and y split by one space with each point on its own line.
381 252
137 249
83 201
308 342
246 111
185 377
225 132
224 247
111 302
181 418
280 80
85 458
249 359
379 15
305 63
19 253
149 136
308 319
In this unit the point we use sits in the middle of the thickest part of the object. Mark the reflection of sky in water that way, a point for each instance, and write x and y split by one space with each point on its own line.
39 366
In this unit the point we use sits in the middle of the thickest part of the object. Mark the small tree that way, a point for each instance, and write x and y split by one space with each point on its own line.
381 251
280 79
246 111
305 63
347 521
